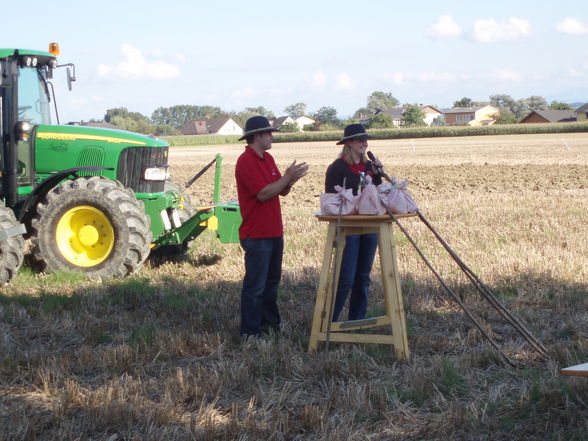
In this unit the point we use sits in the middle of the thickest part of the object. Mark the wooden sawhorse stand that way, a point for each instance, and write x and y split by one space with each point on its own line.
394 309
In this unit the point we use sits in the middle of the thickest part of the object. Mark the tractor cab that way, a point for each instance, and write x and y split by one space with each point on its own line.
25 102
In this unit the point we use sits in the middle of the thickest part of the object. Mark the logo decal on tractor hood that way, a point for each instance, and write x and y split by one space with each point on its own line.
86 137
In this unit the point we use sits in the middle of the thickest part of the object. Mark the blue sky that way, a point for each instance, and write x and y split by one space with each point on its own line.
147 54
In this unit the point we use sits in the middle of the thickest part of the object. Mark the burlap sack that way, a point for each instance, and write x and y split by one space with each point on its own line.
397 198
369 199
330 202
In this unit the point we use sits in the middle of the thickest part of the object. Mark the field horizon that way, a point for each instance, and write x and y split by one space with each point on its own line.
157 356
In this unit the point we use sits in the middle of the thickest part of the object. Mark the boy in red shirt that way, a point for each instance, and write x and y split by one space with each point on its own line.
259 187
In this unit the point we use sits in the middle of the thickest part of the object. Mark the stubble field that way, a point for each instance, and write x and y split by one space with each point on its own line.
157 356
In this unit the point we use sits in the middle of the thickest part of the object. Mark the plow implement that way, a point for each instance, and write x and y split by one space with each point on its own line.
482 289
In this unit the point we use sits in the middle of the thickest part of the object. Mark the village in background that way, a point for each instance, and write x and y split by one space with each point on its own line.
383 110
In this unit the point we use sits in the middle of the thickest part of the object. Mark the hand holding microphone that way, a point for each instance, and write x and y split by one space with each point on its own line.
378 166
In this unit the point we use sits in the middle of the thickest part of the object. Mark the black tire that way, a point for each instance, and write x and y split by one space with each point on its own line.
11 249
92 225
185 212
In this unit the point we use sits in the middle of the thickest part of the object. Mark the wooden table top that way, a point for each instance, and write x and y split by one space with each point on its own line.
362 217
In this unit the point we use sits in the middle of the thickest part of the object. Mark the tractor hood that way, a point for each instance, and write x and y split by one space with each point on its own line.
96 135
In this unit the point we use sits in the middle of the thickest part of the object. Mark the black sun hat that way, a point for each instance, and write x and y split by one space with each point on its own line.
257 124
354 131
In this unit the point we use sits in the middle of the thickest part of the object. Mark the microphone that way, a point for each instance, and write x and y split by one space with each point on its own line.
379 168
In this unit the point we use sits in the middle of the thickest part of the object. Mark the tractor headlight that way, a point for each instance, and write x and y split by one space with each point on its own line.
155 174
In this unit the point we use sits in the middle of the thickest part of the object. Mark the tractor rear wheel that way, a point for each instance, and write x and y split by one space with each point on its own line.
93 225
11 249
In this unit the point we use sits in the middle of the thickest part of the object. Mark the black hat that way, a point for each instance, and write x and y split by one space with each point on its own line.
257 124
354 131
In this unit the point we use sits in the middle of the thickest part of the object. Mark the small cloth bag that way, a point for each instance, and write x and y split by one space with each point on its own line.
343 202
369 200
397 198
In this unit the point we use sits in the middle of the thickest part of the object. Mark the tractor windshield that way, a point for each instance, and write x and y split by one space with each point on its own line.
33 96
33 107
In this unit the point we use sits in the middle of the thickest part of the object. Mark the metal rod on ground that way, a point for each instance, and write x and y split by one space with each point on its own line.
487 293
335 281
450 291
200 173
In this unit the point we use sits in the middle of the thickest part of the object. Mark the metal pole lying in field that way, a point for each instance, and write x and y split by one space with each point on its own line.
474 279
486 293
450 291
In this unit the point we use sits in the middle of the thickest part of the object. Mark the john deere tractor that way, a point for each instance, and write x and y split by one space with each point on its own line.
93 200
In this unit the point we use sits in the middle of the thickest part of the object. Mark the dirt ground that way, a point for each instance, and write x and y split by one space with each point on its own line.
438 167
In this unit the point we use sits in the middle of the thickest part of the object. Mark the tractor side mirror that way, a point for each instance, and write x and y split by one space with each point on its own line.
22 129
71 78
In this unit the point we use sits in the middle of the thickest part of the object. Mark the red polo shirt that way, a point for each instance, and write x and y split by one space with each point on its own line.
261 220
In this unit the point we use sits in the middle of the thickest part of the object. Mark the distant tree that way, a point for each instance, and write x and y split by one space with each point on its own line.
165 130
505 116
380 121
557 105
464 102
241 117
131 121
289 127
362 112
260 111
326 115
517 108
177 116
295 110
535 102
413 116
381 101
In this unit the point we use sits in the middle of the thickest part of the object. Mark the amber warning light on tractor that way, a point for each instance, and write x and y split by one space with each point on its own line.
54 48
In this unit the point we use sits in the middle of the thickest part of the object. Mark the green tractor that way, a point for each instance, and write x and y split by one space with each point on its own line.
93 200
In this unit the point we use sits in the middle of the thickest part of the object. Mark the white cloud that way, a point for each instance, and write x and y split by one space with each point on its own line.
401 78
319 79
397 78
250 92
506 75
571 26
344 82
444 28
136 64
181 57
575 73
489 31
426 77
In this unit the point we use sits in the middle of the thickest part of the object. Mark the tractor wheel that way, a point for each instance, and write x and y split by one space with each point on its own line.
185 212
11 249
93 225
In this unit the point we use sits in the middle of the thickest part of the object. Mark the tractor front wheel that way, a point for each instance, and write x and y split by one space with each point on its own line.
93 225
11 249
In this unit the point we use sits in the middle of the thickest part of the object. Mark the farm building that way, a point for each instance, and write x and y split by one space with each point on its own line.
431 114
549 116
582 113
303 121
397 114
280 121
211 126
472 116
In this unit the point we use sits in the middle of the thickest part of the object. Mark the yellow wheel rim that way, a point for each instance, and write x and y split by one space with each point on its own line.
84 236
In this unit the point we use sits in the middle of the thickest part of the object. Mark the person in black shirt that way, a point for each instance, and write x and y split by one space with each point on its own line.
360 250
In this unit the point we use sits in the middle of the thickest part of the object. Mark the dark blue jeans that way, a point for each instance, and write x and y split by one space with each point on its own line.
354 276
263 270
